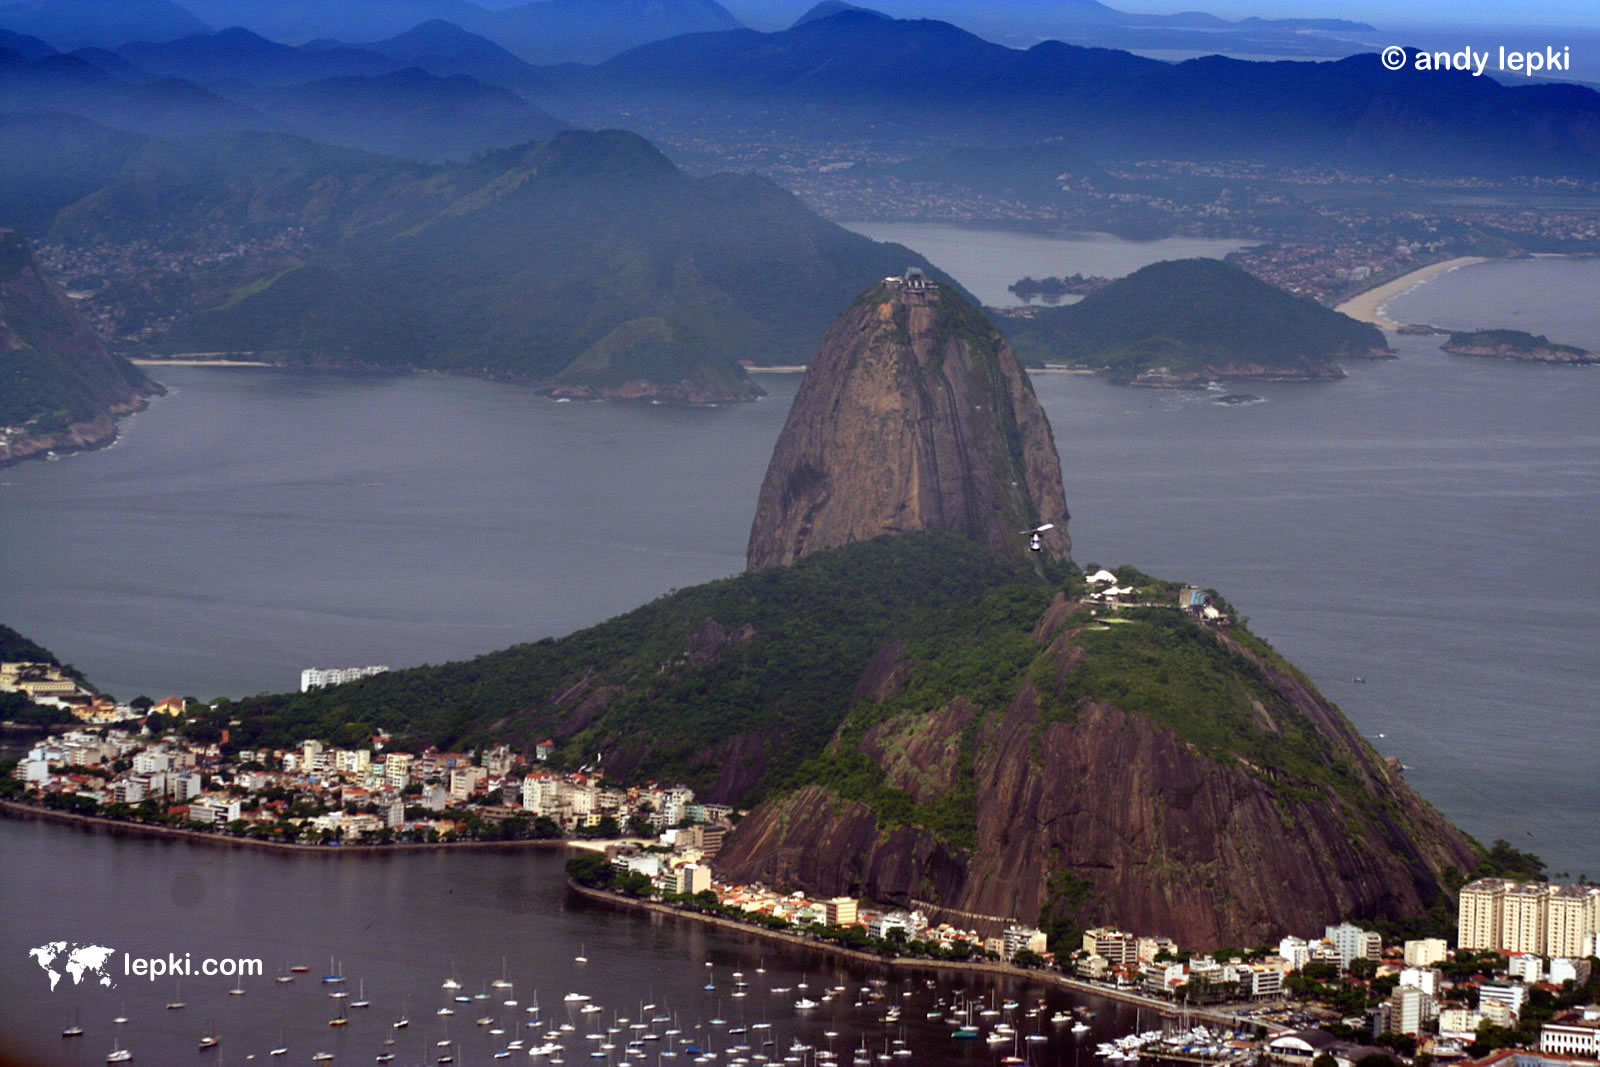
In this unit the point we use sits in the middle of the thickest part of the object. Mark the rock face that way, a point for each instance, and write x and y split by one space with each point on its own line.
914 414
59 388
1111 813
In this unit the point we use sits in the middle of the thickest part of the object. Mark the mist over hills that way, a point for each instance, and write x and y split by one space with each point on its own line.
858 74
70 24
588 261
237 80
545 31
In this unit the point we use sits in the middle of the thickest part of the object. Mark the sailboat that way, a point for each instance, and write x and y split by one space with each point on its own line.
281 1048
177 996
361 1000
75 1030
581 957
404 1021
209 1039
118 1054
341 1019
502 982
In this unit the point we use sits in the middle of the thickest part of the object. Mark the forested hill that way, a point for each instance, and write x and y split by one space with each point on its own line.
1192 319
728 686
588 261
913 717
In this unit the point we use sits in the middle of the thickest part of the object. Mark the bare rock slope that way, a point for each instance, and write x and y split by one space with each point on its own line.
914 414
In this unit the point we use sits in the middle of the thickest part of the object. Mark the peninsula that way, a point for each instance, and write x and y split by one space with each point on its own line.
60 390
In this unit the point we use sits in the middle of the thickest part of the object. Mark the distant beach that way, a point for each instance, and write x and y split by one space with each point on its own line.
1368 307
200 359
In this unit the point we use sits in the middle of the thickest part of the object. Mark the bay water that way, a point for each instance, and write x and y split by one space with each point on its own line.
1426 526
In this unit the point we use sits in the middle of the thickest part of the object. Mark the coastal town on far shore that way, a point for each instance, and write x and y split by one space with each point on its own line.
1517 988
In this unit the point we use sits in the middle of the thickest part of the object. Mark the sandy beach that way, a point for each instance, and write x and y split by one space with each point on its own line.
199 361
1368 307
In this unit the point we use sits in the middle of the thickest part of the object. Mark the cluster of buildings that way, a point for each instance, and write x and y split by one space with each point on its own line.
1535 918
48 686
348 794
682 870
1151 964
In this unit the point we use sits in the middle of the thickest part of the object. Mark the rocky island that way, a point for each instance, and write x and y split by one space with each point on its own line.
1183 323
1516 344
60 390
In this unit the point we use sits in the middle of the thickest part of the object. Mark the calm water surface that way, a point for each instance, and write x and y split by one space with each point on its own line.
986 260
1554 297
397 926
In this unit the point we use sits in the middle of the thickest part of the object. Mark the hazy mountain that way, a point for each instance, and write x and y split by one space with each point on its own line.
52 161
857 74
545 31
239 55
24 46
69 84
69 24
444 48
259 84
584 31
411 113
588 261
831 7
347 20
113 64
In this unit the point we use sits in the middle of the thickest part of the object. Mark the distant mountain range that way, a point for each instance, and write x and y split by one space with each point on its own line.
588 261
858 74
374 98
545 31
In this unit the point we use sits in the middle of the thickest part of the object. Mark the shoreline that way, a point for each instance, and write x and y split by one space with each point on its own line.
1368 306
18 810
198 359
989 967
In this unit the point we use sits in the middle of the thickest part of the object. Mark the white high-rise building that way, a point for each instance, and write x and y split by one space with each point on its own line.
313 677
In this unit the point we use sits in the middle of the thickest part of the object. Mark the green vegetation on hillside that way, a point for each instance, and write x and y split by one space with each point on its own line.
1192 316
588 259
766 660
53 371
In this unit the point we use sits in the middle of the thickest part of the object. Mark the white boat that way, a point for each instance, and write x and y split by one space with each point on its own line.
361 1000
582 956
805 1004
118 1054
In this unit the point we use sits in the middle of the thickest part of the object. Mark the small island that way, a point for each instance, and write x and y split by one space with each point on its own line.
1051 290
1516 344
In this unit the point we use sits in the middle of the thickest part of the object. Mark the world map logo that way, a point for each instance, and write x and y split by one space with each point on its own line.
79 961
